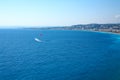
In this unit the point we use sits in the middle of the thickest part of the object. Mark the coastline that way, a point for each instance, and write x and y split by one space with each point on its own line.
66 29
102 32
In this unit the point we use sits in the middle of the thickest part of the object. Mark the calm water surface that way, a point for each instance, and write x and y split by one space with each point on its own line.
62 55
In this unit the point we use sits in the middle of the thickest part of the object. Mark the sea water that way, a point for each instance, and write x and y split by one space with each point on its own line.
62 55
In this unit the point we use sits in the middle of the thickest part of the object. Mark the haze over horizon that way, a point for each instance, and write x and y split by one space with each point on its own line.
58 12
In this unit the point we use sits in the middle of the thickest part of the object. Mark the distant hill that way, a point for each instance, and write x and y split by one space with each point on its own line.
93 27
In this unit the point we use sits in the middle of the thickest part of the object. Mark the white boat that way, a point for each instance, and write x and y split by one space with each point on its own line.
38 40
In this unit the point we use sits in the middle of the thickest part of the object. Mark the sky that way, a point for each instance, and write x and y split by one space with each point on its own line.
58 12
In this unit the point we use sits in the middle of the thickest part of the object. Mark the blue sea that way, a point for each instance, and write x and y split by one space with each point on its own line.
61 55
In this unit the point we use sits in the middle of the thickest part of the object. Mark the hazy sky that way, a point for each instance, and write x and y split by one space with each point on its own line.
58 12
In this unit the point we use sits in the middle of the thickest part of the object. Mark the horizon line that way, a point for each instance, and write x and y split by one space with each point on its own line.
29 26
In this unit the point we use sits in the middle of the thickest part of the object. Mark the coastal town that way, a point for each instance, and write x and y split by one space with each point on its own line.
115 28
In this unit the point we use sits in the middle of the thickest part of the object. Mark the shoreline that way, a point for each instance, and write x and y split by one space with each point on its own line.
102 32
64 30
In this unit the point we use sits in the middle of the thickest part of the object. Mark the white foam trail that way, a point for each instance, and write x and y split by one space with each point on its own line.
38 40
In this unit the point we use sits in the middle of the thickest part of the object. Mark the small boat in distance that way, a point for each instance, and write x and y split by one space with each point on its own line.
38 40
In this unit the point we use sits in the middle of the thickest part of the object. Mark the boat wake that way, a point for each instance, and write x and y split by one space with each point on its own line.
37 40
